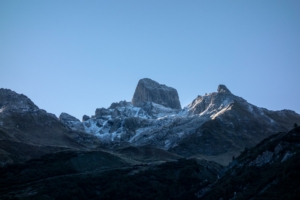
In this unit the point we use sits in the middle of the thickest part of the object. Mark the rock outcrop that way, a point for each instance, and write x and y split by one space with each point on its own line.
148 90
71 122
223 88
66 117
85 118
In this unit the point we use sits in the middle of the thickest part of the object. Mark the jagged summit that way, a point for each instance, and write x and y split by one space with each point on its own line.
10 100
223 88
148 90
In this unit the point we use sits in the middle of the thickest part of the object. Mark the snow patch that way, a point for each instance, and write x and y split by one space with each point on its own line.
167 143
137 111
213 116
180 134
287 156
250 108
90 126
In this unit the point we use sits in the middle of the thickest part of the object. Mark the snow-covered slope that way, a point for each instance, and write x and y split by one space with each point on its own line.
213 124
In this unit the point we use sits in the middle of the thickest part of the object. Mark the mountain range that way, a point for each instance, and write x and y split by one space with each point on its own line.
149 136
215 126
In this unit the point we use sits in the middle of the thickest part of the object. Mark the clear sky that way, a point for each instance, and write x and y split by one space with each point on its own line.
76 56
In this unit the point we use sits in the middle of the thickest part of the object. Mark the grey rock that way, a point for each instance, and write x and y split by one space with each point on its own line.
12 101
148 90
101 112
115 124
66 117
214 101
116 113
85 118
223 88
117 105
133 123
72 122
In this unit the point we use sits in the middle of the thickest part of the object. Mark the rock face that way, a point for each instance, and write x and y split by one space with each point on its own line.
223 88
148 90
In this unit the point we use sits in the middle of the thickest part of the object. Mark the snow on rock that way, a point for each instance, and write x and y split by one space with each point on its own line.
262 159
287 155
151 123
213 103
11 101
71 122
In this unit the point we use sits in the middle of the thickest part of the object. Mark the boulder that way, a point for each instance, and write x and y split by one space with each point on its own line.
85 118
101 112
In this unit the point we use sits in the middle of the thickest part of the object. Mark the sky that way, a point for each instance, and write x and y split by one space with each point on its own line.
76 56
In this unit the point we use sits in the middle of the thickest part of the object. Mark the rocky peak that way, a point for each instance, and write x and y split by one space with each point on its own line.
148 90
223 89
85 118
213 103
10 100
72 122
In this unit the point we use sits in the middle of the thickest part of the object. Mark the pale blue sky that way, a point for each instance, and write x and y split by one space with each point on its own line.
76 56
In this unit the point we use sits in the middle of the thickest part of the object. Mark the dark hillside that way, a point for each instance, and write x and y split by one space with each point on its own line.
100 175
270 170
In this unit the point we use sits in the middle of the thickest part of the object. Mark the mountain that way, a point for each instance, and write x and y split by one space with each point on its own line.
215 126
218 147
28 132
